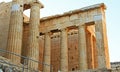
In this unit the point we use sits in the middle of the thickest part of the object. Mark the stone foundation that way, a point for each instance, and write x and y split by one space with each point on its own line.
77 39
7 66
99 70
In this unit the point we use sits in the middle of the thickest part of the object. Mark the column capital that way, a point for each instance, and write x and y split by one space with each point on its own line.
64 29
37 3
81 28
83 25
48 33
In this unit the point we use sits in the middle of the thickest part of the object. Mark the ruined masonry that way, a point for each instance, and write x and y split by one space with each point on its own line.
75 41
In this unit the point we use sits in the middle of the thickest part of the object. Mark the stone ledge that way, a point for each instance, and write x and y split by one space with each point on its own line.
75 11
7 66
99 70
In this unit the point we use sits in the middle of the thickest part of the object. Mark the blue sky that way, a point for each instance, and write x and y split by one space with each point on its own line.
53 7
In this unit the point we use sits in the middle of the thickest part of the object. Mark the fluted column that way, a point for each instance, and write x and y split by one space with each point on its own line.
15 31
33 46
47 53
82 48
64 51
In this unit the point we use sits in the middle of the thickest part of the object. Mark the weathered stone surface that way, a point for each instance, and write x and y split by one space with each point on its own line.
33 38
47 53
8 66
4 25
82 48
63 48
14 43
64 51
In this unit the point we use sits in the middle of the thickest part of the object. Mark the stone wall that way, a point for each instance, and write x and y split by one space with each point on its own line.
70 20
7 66
4 24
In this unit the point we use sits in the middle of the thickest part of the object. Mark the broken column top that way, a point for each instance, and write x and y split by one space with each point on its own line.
28 2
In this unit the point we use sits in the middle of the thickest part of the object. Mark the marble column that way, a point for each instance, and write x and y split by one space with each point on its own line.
15 31
82 47
64 51
47 54
33 39
101 42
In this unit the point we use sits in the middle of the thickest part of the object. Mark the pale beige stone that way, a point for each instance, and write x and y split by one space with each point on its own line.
15 32
54 24
100 44
64 51
47 53
33 46
73 17
82 48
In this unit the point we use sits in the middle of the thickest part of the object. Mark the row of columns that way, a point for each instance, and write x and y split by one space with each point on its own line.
99 48
64 50
100 61
15 40
14 44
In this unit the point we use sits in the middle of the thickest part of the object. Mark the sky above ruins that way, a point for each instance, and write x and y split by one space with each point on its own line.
52 7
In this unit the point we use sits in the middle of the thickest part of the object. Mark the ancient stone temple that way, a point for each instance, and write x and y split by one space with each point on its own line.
74 41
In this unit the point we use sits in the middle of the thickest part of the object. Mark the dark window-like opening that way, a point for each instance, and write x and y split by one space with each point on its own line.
68 48
21 6
76 67
72 33
75 48
73 69
72 57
